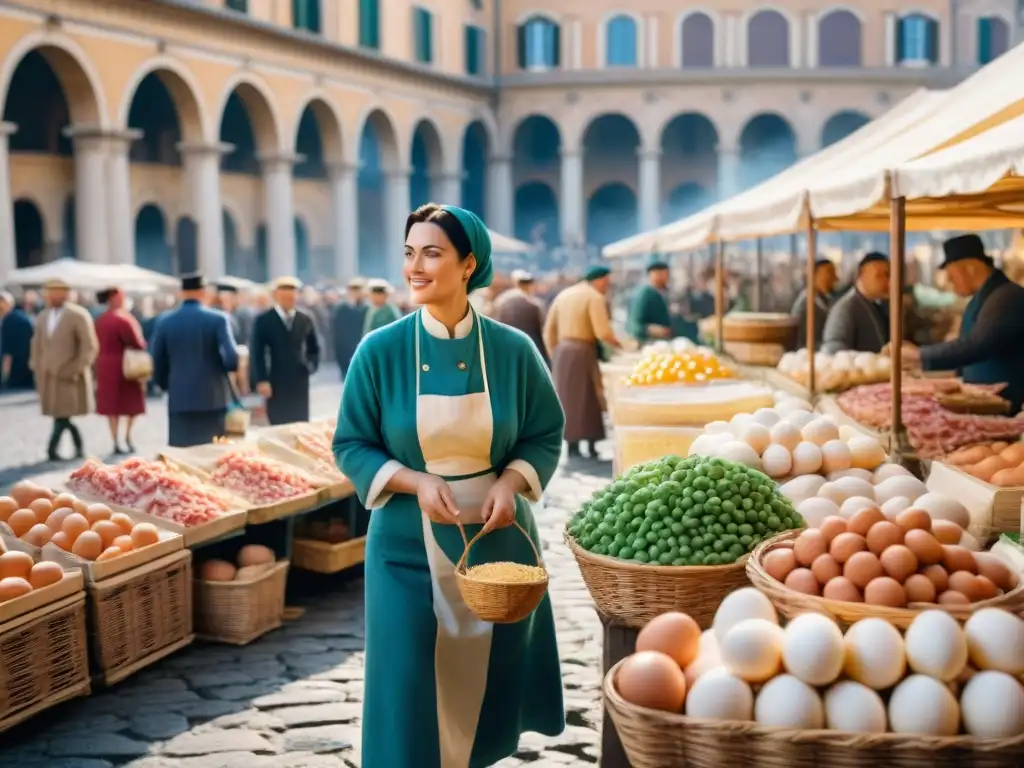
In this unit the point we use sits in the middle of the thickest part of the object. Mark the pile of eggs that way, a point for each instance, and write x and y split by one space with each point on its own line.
869 559
19 575
836 372
940 679
694 366
788 440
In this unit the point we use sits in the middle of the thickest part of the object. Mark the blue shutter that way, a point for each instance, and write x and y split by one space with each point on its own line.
553 49
932 40
901 47
985 41
521 44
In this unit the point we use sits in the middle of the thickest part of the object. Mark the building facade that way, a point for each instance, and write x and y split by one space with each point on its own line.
265 137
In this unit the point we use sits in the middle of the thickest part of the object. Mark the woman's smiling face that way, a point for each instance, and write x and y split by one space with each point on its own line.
432 268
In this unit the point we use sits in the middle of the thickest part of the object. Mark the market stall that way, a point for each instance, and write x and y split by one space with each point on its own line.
84 275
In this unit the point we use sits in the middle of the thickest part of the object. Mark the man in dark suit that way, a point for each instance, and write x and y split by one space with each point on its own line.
859 321
193 353
15 343
347 323
285 352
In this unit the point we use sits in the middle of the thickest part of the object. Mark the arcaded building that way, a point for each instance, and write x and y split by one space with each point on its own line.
265 137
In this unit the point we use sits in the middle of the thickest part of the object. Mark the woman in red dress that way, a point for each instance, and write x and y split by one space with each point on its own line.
116 396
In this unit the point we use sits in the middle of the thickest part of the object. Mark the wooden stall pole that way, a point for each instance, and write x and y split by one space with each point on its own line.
812 255
758 274
897 254
720 296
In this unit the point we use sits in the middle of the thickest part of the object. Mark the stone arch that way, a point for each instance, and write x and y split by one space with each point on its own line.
29 232
767 145
537 218
258 100
181 83
474 150
842 124
688 143
546 128
151 228
384 123
427 162
329 121
317 139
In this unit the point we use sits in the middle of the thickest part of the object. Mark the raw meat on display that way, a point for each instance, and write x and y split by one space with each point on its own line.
260 479
151 487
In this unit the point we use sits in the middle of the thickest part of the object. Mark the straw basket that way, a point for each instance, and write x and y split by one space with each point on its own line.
238 612
790 603
631 594
654 739
499 602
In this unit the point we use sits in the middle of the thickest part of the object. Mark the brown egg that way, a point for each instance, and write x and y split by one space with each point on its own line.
88 545
653 680
107 530
12 588
862 568
899 562
97 512
863 521
779 562
124 543
957 558
44 574
885 591
43 508
919 589
25 492
16 565
963 582
675 634
985 588
925 547
109 554
947 532
950 597
993 568
846 545
75 525
825 568
55 521
8 507
144 534
883 535
911 519
938 576
840 588
808 546
64 501
81 507
802 580
38 535
21 522
124 522
831 527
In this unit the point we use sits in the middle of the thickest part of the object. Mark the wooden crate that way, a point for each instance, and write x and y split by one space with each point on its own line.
826 404
43 658
140 616
636 445
993 509
238 612
325 557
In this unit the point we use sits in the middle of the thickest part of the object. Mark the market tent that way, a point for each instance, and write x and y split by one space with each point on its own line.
991 163
88 276
506 244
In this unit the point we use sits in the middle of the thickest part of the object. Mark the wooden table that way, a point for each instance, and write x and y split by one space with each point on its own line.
619 642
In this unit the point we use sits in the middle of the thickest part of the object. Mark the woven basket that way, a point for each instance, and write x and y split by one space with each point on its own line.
499 602
140 616
791 603
632 594
238 612
654 739
325 557
43 660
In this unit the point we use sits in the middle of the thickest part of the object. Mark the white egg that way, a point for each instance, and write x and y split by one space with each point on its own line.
746 603
875 655
835 456
752 649
865 452
907 486
720 696
812 649
788 702
706 445
708 658
847 433
853 505
814 510
886 471
845 488
768 417
992 705
854 708
717 427
741 420
936 646
799 419
802 488
787 407
806 459
892 508
757 436
923 706
776 461
860 474
995 640
942 507
785 434
739 452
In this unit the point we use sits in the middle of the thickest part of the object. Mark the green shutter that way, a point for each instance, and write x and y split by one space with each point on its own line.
932 50
474 50
428 37
237 5
369 23
984 41
521 40
306 15
900 32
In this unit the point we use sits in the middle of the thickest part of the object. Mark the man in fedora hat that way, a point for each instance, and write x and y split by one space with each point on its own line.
518 308
649 317
989 347
193 353
64 347
285 353
347 323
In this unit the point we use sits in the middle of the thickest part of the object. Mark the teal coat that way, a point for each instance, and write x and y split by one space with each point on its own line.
648 307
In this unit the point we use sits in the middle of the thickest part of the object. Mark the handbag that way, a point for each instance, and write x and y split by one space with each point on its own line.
137 365
236 420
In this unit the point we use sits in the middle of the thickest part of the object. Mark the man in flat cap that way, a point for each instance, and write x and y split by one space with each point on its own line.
825 279
577 322
194 352
990 346
381 310
859 321
285 353
649 317
518 308
347 323
64 347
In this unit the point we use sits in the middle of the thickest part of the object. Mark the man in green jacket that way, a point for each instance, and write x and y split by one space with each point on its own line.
381 310
649 317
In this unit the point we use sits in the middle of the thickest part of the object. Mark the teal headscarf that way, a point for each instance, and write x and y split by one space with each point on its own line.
480 242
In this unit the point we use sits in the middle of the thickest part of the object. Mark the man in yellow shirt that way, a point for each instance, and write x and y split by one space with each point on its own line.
577 321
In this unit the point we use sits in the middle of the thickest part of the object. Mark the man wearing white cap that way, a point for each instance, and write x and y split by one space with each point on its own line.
381 311
518 308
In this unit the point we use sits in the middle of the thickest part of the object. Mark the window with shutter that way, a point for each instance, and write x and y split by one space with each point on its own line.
306 15
521 45
538 44
474 50
917 40
242 6
984 41
369 23
900 51
620 42
423 26
932 39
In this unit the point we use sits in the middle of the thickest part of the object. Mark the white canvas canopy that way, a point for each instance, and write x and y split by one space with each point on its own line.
506 244
87 276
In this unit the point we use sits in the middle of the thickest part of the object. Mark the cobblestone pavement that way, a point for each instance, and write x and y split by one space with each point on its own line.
291 699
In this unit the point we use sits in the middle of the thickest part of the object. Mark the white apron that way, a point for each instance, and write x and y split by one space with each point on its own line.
455 433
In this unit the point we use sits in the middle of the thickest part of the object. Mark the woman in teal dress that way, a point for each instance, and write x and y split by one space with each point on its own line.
448 417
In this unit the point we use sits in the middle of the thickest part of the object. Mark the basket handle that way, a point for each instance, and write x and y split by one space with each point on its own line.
459 566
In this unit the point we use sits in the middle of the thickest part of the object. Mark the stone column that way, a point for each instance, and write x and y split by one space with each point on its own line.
8 252
280 214
571 203
120 218
649 202
202 179
728 171
345 204
500 195
446 187
91 223
396 202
